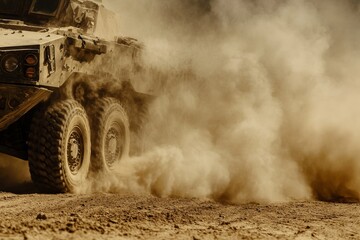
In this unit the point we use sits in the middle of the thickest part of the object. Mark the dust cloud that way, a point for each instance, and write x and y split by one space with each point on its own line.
258 100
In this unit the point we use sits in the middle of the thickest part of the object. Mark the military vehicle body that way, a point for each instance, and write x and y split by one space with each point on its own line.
61 106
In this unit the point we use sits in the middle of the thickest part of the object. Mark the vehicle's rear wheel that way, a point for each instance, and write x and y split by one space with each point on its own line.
59 147
110 135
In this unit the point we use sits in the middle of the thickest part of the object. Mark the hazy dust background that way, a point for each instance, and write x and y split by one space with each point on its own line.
260 102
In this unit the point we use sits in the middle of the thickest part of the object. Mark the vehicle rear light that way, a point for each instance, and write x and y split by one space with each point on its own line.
31 59
10 63
30 72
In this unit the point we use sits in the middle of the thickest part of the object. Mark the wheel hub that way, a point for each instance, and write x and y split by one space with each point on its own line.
75 150
113 146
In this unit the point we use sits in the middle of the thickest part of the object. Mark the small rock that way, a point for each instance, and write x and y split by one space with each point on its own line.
225 223
176 226
26 237
41 216
70 224
101 230
113 221
70 227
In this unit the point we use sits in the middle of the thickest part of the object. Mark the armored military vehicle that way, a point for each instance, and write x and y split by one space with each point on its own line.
67 103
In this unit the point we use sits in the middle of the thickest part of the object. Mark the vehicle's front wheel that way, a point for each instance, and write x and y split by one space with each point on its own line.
110 135
59 147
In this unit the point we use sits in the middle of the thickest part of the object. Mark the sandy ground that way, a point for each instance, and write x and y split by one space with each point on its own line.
26 214
125 216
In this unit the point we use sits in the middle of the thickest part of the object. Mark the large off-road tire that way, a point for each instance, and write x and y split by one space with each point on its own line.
59 147
110 135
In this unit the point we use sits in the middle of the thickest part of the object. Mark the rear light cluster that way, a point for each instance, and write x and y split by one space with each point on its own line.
20 64
31 62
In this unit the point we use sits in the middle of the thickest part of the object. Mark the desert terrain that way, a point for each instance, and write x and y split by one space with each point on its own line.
29 215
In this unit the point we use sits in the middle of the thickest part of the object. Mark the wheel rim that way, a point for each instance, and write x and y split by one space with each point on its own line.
75 150
114 144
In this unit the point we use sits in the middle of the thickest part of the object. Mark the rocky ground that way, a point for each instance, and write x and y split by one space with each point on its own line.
126 216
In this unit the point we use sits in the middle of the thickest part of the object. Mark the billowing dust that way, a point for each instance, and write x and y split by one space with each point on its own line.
259 101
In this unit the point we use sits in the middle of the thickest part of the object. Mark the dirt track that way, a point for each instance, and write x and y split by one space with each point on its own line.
122 216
